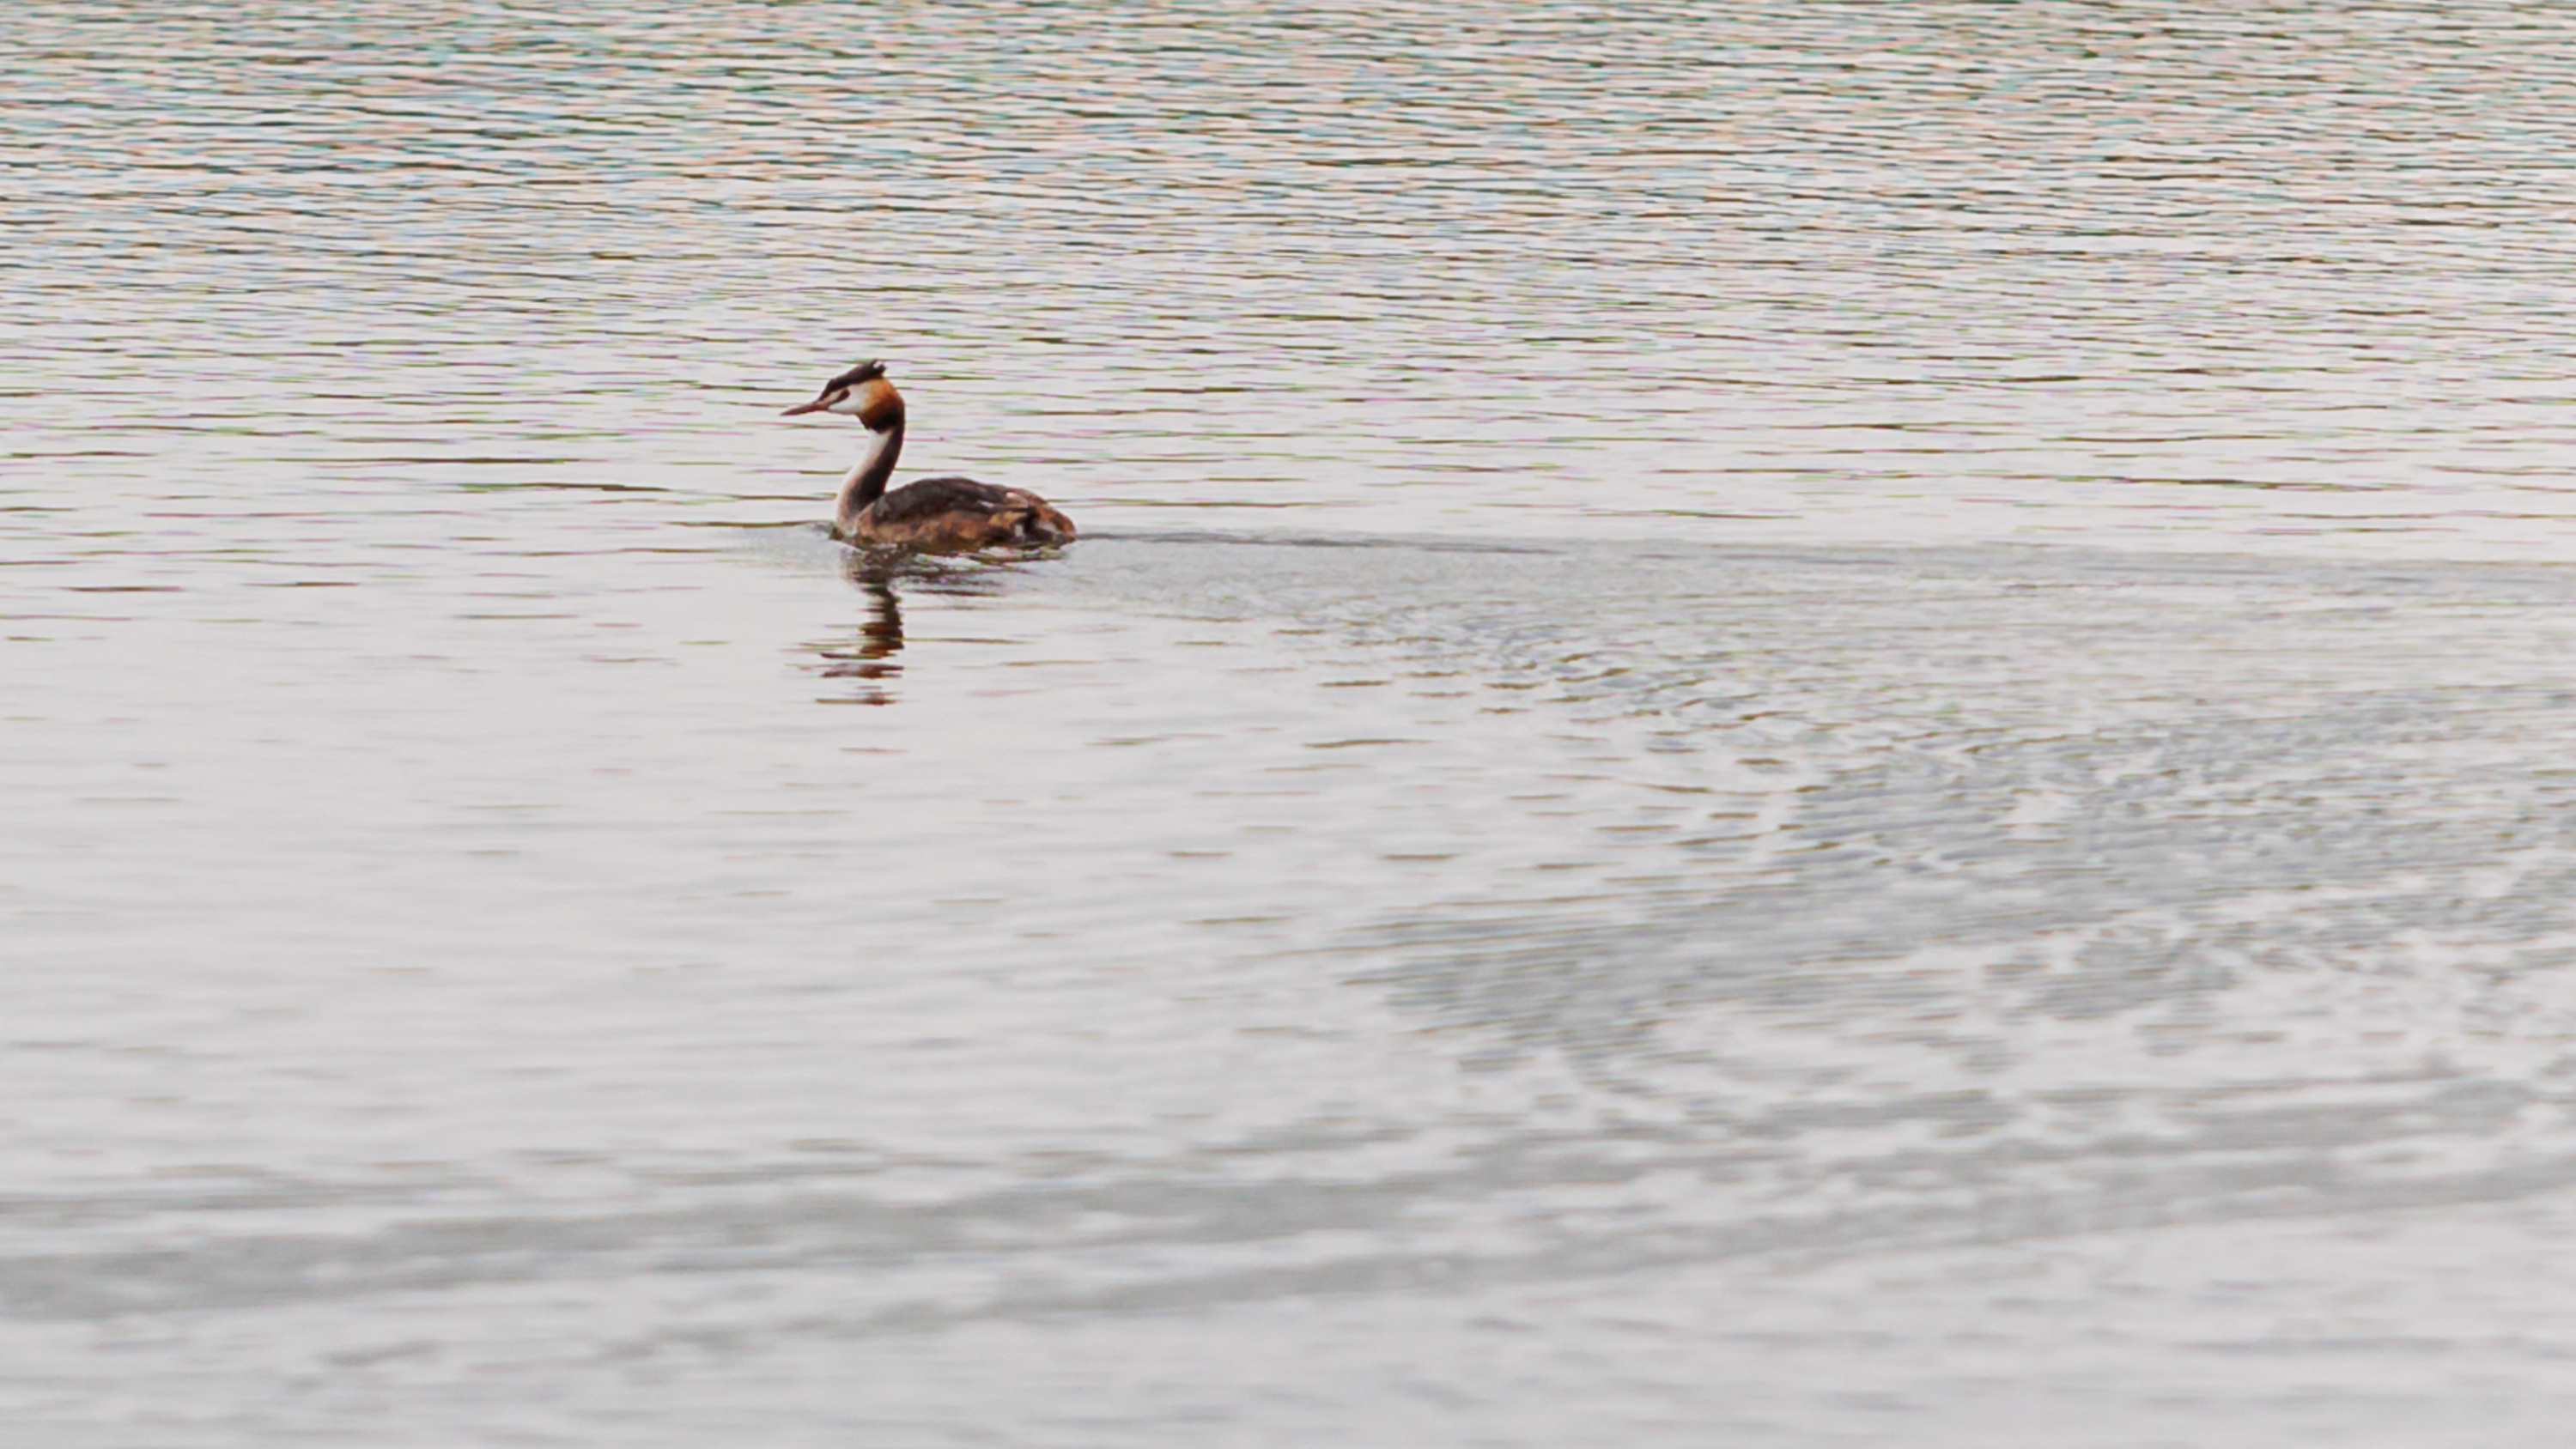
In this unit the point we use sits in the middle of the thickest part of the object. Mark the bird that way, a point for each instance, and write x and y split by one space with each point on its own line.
938 515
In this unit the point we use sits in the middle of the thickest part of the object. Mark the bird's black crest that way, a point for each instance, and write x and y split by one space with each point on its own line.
856 375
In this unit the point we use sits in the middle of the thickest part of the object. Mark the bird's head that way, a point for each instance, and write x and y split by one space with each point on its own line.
862 393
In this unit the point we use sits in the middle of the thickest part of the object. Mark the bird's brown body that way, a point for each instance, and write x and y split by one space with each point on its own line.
954 515
938 515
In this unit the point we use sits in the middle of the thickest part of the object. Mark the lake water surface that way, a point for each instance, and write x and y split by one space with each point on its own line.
1779 725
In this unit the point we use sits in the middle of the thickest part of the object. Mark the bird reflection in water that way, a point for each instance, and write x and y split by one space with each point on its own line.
870 660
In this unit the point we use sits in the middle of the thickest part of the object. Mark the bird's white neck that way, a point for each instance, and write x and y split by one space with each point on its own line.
866 483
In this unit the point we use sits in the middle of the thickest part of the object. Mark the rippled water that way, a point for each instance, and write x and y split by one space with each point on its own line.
1779 725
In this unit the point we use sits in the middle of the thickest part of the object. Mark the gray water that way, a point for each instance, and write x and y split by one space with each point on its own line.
1788 725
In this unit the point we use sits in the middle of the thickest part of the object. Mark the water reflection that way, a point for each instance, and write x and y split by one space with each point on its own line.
876 573
880 635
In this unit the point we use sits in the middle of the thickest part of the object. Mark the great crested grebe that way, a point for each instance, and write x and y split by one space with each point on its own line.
945 514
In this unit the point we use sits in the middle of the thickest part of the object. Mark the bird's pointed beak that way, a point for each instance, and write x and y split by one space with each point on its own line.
816 406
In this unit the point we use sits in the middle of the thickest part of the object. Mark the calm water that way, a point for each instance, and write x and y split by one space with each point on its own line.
1789 725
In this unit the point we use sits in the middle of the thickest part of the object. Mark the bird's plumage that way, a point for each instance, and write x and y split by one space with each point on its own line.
945 515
